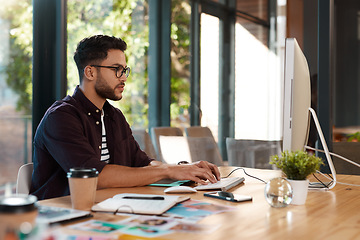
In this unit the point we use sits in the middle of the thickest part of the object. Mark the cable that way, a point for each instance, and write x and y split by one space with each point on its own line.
350 184
328 175
338 156
325 147
324 184
335 155
320 180
245 174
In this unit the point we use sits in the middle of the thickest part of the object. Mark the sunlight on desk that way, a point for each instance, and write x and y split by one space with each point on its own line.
257 219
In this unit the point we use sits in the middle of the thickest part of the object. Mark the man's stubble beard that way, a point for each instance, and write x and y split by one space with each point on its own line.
105 91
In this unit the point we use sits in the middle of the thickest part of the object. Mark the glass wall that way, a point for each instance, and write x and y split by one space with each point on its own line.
346 55
209 73
257 86
127 20
258 82
258 79
15 88
256 89
180 63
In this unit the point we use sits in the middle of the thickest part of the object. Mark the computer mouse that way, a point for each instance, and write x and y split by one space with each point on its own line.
180 189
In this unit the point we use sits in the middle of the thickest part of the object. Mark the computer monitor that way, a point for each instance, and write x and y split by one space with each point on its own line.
297 98
297 105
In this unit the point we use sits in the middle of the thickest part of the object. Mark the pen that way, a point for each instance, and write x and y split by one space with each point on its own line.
144 198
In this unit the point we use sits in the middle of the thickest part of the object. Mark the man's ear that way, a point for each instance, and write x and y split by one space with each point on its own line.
89 72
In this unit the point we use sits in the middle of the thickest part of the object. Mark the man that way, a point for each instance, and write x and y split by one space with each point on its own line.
84 130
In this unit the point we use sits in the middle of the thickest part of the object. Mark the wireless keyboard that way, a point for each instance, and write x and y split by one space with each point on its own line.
224 184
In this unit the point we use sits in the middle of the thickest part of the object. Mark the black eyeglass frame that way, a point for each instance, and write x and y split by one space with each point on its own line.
125 70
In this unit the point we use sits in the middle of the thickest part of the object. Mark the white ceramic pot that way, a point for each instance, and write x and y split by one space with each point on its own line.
300 191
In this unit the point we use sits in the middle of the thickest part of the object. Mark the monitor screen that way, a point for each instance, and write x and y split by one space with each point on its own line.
297 98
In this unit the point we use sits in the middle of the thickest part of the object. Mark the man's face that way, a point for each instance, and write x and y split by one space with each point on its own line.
107 85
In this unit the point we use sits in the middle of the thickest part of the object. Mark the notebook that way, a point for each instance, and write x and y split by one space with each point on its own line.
52 215
138 203
224 184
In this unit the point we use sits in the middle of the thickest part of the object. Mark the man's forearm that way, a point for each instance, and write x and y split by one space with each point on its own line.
122 176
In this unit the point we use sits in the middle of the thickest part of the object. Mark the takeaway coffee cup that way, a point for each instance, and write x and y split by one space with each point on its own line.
17 211
82 183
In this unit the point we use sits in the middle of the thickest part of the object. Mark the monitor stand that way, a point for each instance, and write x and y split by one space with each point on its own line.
319 185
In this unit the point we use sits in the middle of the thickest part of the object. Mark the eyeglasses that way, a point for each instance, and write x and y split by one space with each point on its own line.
119 71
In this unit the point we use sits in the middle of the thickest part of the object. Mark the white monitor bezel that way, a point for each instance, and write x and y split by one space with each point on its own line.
297 105
297 98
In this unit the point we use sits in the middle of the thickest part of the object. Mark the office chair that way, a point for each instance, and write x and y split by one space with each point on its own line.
198 131
142 137
251 153
23 182
156 132
203 145
174 149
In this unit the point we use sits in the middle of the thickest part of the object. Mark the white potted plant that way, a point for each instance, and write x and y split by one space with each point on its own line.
297 166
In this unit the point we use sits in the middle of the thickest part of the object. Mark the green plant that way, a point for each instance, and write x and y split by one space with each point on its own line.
354 137
297 165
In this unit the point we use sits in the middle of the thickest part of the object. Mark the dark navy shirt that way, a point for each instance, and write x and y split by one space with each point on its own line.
69 135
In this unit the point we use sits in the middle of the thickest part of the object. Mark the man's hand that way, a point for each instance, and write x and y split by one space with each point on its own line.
198 172
212 167
121 176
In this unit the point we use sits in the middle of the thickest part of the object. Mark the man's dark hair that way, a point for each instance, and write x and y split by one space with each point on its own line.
94 49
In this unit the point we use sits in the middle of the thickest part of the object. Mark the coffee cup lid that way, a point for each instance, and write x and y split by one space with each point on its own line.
82 173
20 203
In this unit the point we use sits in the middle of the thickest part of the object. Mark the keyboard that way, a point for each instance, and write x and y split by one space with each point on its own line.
224 184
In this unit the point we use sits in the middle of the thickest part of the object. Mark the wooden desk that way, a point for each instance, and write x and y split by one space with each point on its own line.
330 214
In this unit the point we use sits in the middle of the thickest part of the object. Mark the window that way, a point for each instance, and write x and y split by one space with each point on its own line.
258 81
180 63
346 55
129 20
209 80
257 85
124 19
15 88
